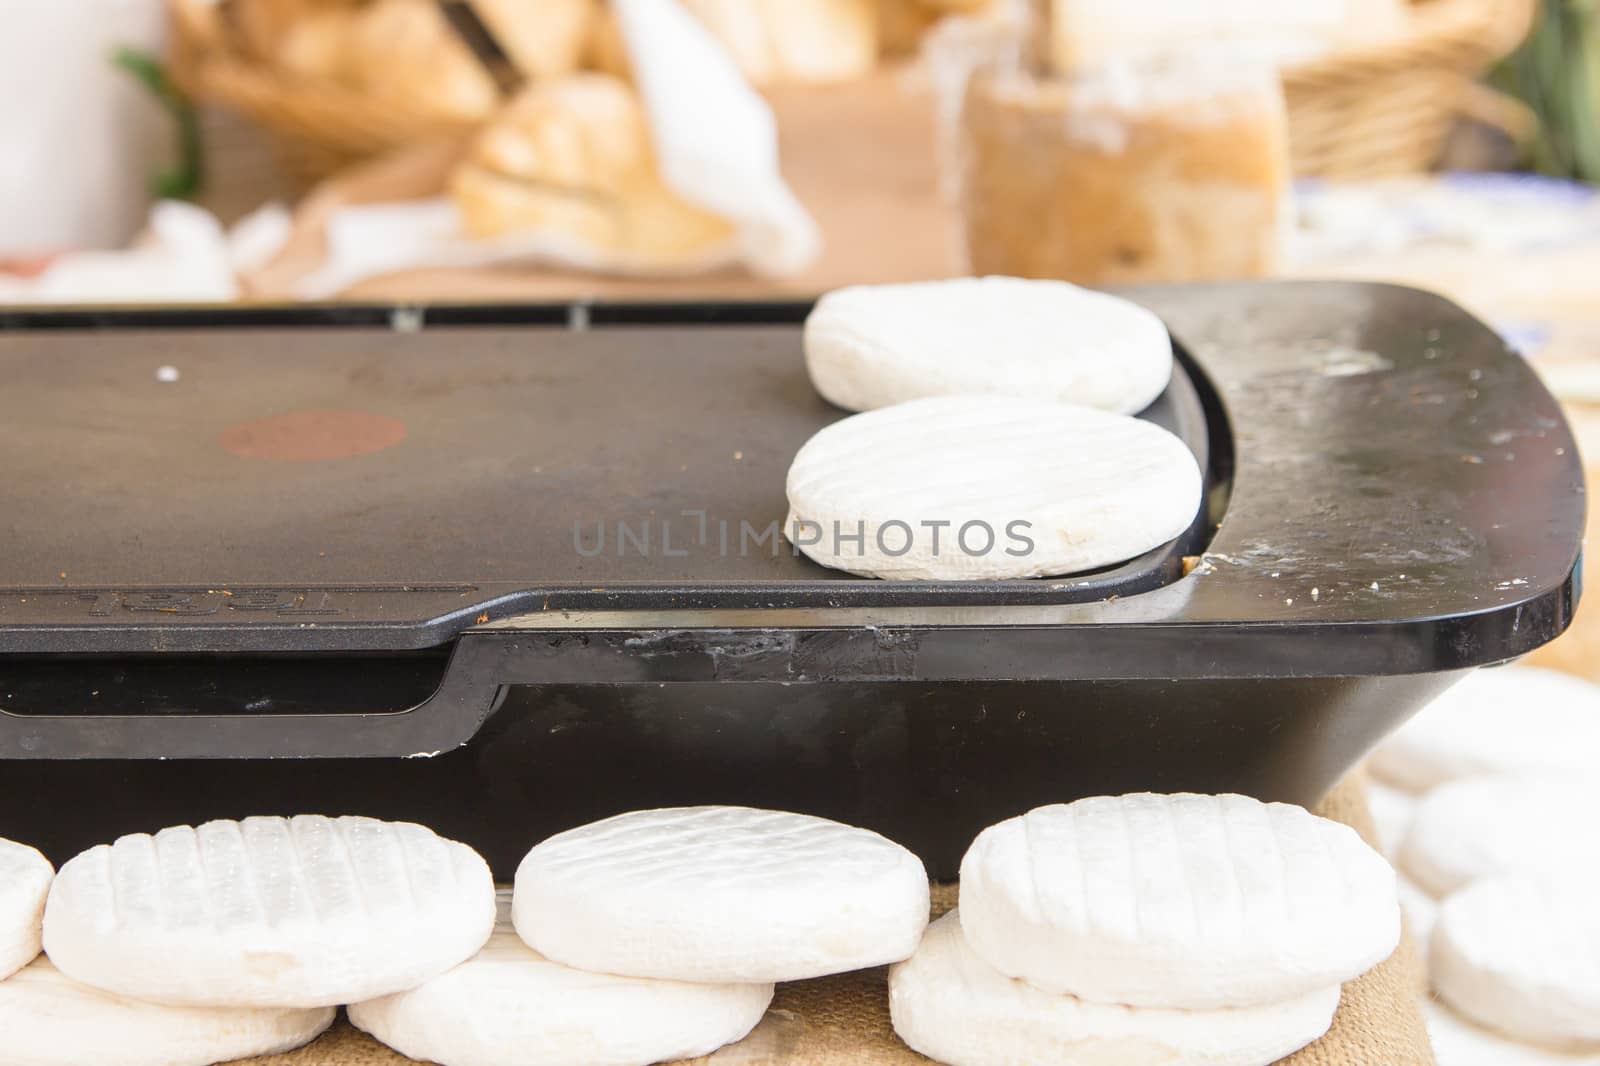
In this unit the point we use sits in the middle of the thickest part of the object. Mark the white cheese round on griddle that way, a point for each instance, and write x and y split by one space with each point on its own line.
954 1007
873 346
1178 901
721 894
988 487
47 1019
284 912
25 877
1521 955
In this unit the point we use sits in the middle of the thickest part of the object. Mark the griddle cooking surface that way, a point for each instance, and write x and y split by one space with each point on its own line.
313 476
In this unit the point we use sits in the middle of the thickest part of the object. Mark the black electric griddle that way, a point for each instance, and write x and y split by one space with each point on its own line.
350 561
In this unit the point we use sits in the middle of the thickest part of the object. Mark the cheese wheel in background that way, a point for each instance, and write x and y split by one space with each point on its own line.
25 877
509 1006
1521 955
988 487
1178 901
1458 1042
1132 173
1506 720
269 912
873 346
721 894
1481 827
950 1005
1393 811
46 1019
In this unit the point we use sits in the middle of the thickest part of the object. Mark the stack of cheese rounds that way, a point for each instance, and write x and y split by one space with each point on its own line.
658 935
1148 929
997 439
227 940
1490 792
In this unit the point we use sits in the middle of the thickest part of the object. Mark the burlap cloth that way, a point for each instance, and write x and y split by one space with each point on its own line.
845 1019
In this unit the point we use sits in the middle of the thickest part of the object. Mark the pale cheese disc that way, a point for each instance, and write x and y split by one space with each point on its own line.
1521 955
25 877
1458 1042
950 1005
1481 827
988 487
47 1019
873 346
510 1006
1179 901
721 894
1392 813
286 912
1506 720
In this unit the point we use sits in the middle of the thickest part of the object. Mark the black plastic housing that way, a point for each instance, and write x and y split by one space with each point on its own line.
1393 498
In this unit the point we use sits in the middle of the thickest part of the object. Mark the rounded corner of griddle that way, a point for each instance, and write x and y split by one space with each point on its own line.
1392 498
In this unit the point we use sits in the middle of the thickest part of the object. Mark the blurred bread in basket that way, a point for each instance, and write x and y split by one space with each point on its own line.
406 52
573 157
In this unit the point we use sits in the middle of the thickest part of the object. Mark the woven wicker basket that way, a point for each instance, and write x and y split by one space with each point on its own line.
1381 110
1388 108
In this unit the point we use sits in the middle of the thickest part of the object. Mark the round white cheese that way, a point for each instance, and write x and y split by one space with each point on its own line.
1507 720
721 894
988 487
1521 955
873 346
950 1005
1481 827
282 912
1392 814
1181 901
25 877
46 1019
509 1006
1457 1042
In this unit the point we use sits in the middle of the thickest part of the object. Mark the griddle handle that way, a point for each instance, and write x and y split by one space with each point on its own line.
467 695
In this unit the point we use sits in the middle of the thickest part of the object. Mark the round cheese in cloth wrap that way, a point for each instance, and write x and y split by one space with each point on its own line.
508 1006
956 488
952 1006
877 345
46 1019
1521 955
721 894
269 912
24 883
1180 901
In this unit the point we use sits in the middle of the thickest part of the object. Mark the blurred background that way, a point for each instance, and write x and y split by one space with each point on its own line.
193 151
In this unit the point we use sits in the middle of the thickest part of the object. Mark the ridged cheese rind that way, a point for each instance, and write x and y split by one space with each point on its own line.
25 877
872 346
47 1019
721 894
1520 954
952 1006
988 487
287 912
1178 901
